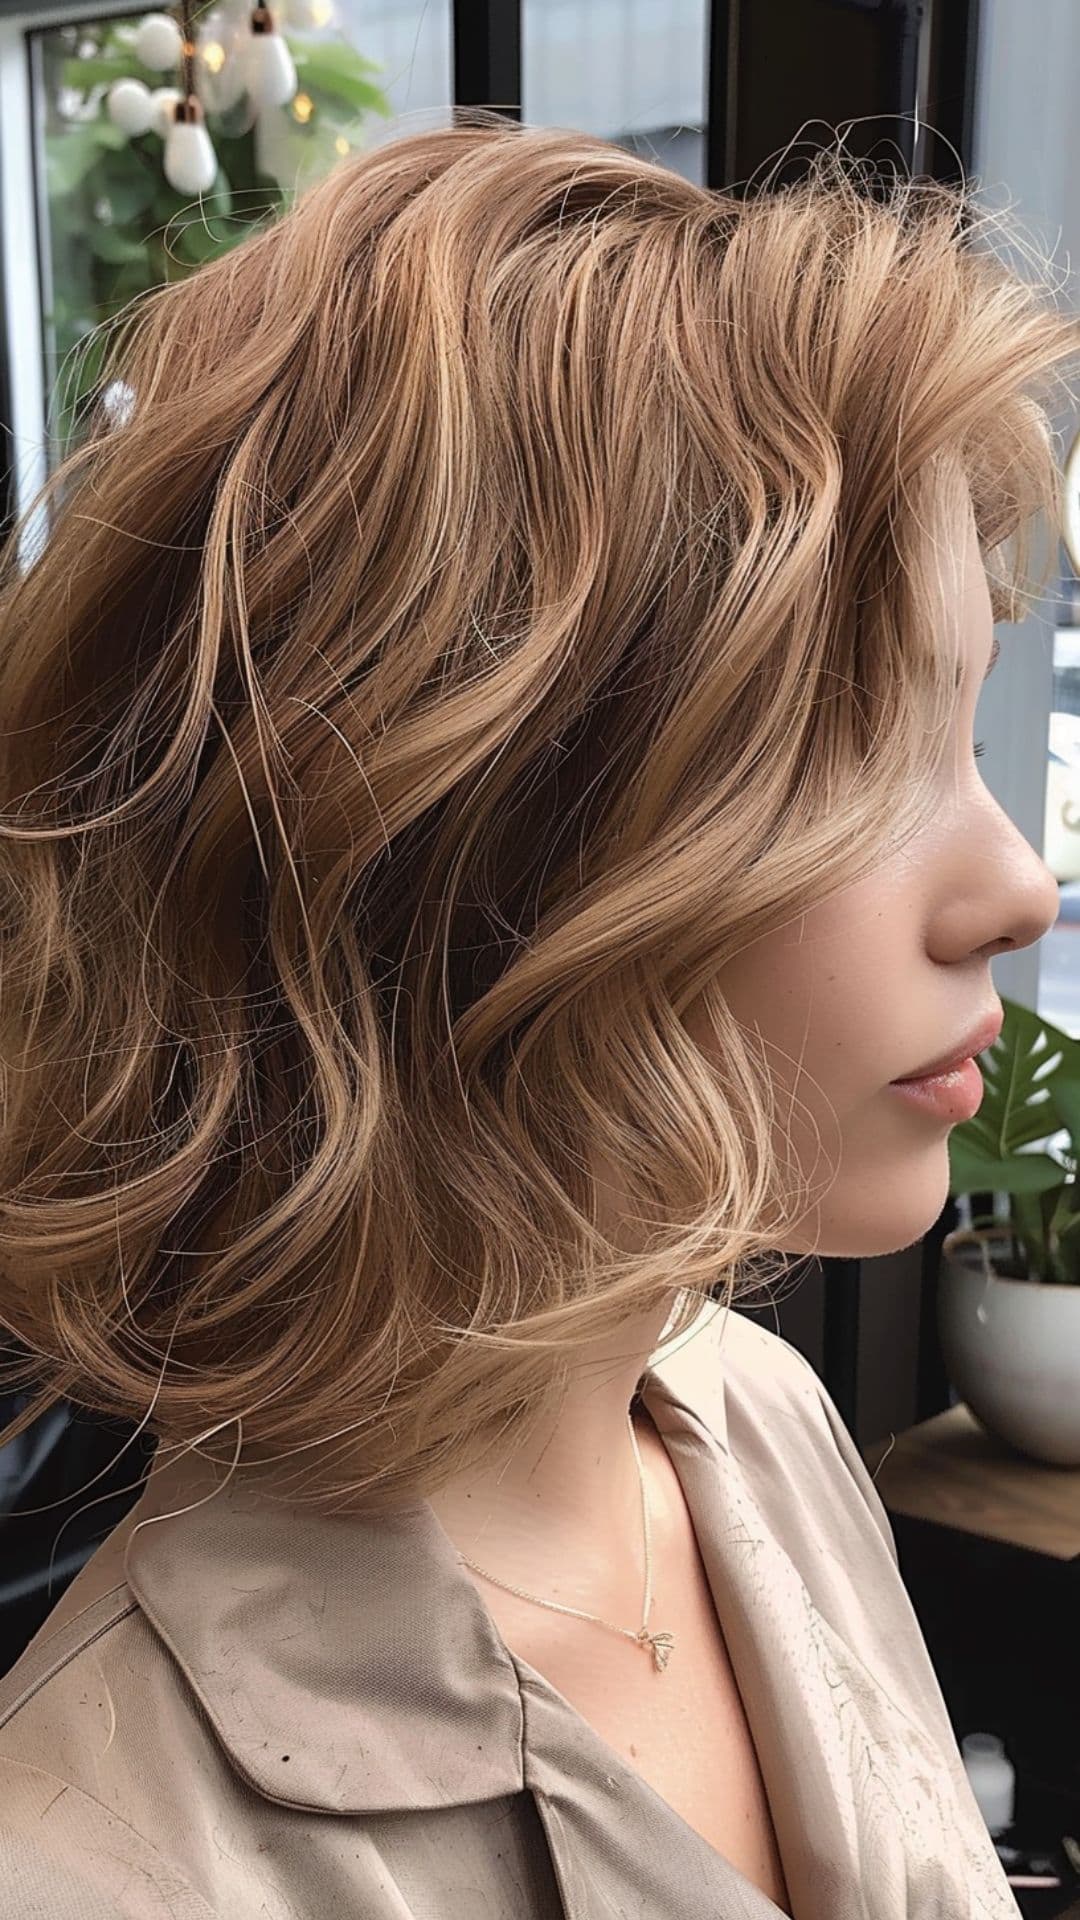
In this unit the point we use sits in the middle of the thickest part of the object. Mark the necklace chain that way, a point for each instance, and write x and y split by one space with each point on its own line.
661 1644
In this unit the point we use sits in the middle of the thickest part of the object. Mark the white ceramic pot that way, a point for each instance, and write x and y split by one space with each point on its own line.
1011 1347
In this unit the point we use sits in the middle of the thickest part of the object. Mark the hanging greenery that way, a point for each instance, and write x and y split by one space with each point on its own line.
117 227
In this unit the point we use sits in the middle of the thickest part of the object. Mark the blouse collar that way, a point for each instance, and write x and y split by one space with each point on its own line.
348 1663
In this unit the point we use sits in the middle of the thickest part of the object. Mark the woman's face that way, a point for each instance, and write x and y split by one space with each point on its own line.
887 977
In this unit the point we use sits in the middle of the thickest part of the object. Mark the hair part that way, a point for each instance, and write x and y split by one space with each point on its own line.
508 592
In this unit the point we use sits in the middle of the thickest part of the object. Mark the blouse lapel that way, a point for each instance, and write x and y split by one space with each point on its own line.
860 1796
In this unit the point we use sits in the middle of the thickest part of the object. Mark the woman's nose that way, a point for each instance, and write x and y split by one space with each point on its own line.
1024 901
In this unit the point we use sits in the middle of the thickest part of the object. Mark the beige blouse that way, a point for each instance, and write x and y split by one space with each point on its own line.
253 1712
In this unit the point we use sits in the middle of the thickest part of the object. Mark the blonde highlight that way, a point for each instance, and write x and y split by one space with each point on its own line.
508 594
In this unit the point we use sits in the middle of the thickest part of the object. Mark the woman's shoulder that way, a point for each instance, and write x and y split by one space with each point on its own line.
766 1404
80 1751
723 1349
109 1769
118 1800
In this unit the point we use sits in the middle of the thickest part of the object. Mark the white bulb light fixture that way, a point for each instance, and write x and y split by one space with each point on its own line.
260 64
268 65
190 160
163 100
131 107
159 42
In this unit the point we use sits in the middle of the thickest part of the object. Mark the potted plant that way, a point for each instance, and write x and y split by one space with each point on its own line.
1009 1299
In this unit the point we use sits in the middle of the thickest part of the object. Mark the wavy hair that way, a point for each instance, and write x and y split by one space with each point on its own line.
507 591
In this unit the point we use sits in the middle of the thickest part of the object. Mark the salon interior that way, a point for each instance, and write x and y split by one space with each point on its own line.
954 1363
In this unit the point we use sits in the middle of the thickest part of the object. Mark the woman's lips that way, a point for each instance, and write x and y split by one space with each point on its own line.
953 1097
976 1041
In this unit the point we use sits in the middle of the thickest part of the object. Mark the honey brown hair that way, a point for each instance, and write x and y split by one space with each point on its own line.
506 593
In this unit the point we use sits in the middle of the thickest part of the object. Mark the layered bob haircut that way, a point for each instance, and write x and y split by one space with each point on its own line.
510 589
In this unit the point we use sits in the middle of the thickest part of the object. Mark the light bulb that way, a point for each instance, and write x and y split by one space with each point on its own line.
130 106
221 82
159 42
190 161
164 100
269 72
312 13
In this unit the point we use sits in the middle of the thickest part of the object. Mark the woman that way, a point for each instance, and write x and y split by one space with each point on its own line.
489 813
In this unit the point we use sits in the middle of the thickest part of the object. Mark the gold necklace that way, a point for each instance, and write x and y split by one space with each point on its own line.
660 1643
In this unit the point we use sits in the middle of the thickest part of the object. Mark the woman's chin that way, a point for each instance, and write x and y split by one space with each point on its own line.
878 1214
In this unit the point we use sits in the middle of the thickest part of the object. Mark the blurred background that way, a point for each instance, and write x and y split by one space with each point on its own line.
99 200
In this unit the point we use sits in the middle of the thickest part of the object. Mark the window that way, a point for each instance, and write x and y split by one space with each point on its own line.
88 219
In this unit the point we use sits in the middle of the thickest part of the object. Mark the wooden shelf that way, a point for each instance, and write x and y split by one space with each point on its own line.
949 1470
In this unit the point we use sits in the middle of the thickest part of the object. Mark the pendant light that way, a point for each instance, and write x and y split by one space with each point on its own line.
268 64
131 107
190 161
163 100
259 64
158 41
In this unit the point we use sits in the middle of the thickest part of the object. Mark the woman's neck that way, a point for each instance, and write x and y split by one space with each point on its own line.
570 1494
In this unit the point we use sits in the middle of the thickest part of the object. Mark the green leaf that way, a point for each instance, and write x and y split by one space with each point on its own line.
1067 1097
1032 1094
130 282
223 199
113 246
337 56
1030 1221
364 98
338 70
200 240
128 184
71 155
1067 1228
98 71
971 1170
1027 1075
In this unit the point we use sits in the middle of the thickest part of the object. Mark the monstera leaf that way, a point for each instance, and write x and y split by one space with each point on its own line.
1032 1093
